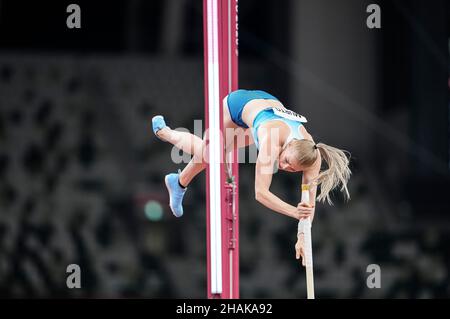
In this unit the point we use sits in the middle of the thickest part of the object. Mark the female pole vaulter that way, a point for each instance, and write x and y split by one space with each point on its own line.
283 143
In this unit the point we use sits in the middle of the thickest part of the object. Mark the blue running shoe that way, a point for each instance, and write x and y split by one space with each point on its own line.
176 193
158 123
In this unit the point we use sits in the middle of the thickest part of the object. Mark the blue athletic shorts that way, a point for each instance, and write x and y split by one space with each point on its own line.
236 101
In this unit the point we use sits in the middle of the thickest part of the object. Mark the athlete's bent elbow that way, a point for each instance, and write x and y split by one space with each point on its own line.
260 195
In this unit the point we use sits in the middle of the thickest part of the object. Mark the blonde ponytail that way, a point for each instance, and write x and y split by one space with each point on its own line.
338 172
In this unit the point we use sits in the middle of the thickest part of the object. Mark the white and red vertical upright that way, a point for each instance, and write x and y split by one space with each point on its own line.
220 25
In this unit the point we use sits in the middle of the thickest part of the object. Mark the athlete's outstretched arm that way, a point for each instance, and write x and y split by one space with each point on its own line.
267 158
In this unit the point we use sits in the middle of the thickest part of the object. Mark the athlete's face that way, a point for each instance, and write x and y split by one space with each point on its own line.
287 161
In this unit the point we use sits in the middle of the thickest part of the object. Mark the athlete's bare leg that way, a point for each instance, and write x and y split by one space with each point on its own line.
235 136
187 142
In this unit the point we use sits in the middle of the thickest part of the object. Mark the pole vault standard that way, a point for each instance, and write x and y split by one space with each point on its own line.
222 216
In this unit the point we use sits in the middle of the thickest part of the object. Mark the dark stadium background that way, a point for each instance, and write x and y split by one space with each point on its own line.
79 163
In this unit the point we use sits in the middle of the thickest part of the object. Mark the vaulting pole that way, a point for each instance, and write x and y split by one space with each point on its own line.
222 218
